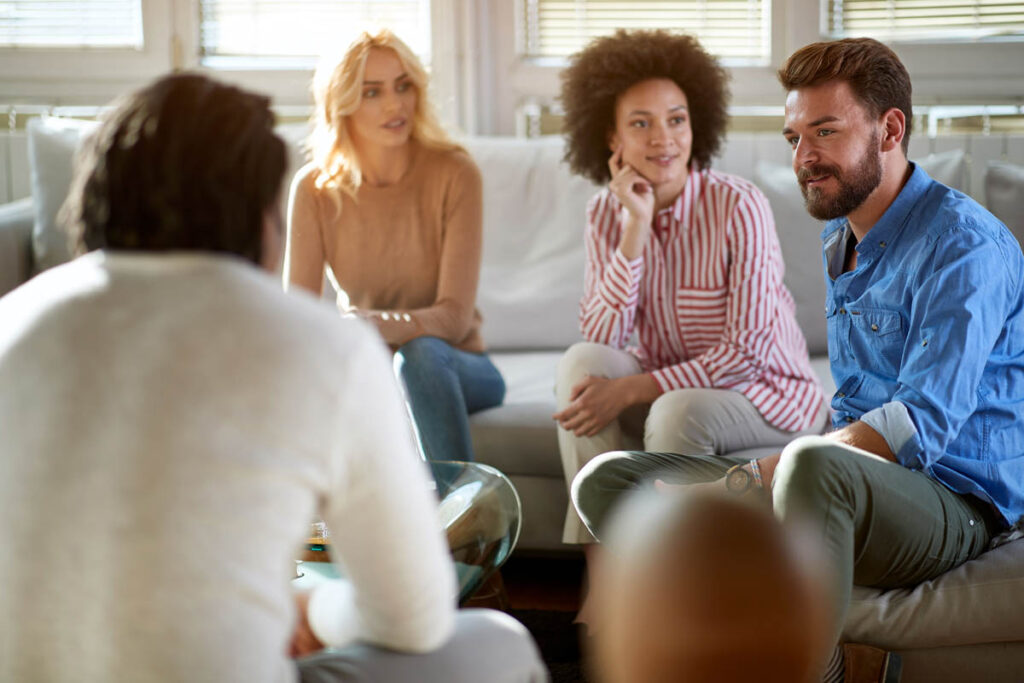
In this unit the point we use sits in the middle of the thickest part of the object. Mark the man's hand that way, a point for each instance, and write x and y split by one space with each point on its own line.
304 641
596 401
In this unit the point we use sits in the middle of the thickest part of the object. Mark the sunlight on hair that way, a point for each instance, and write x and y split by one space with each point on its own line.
337 91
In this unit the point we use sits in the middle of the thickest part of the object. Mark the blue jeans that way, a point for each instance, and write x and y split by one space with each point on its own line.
443 387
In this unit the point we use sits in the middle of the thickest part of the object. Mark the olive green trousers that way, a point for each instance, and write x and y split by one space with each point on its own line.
880 524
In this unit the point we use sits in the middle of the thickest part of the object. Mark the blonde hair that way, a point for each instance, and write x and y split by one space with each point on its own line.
338 92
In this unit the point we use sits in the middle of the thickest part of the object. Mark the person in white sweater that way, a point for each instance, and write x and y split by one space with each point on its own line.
171 422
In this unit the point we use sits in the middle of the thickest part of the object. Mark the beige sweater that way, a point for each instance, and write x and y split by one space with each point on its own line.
169 425
411 248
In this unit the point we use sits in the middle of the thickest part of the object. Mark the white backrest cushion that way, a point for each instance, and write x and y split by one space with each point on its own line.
800 239
531 278
949 168
1004 195
52 143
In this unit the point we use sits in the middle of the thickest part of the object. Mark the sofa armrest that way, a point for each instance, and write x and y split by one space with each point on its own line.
16 220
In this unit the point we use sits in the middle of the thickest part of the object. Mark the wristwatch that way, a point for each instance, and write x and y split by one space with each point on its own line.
738 480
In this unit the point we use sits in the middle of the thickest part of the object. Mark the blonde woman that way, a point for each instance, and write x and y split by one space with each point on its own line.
392 207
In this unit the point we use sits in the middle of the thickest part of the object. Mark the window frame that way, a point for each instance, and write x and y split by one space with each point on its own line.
479 81
90 75
942 72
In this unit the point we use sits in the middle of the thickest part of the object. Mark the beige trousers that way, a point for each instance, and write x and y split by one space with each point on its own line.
689 421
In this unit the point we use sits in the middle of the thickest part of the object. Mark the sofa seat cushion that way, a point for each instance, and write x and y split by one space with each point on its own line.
980 601
519 437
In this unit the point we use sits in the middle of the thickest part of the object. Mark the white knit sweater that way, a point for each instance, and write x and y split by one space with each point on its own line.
169 426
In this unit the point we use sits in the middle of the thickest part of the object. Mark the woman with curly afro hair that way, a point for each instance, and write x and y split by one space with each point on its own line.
681 258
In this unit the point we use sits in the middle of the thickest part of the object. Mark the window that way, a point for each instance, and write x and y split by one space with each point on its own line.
737 31
285 29
904 20
71 23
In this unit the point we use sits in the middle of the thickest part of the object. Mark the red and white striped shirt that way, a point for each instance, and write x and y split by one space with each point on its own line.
705 298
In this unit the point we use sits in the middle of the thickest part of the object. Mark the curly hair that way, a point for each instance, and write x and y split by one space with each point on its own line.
186 163
609 66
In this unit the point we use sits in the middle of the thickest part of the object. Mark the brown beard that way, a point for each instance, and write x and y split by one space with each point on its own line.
853 190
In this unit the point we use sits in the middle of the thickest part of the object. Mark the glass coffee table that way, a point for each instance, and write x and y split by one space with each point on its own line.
481 514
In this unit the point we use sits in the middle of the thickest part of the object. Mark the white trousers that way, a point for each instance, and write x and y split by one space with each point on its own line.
690 421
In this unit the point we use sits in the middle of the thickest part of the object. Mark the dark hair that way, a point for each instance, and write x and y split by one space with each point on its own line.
874 72
608 66
186 163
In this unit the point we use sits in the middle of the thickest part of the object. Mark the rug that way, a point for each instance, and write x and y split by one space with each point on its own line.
558 640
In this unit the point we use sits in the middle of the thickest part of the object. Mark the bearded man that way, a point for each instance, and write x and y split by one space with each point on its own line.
925 307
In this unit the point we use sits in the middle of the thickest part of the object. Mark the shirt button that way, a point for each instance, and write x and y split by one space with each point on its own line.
840 394
882 245
850 419
842 310
972 522
874 327
924 343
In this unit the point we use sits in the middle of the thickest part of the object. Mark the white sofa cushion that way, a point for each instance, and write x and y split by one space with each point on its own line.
531 279
1004 195
52 143
801 250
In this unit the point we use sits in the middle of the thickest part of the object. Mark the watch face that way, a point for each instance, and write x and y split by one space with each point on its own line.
737 480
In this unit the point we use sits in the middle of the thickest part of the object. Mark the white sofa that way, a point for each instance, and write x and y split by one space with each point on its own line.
964 626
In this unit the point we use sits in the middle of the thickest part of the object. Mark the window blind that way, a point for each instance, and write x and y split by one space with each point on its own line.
71 23
306 28
925 19
737 31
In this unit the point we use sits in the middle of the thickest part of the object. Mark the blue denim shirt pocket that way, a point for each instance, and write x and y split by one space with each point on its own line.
878 334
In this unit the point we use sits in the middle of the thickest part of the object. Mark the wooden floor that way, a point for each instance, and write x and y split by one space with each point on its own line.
544 583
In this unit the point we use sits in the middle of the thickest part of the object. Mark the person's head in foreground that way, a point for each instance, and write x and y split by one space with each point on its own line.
653 100
848 119
185 164
700 587
369 102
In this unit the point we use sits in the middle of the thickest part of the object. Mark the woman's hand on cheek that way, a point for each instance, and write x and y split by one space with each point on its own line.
633 191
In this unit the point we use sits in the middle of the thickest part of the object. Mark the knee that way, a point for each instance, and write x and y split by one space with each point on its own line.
677 422
581 359
420 356
809 467
594 487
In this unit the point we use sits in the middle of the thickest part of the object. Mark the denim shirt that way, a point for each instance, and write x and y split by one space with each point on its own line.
932 319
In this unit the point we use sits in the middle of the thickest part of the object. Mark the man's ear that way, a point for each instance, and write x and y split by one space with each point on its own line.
894 127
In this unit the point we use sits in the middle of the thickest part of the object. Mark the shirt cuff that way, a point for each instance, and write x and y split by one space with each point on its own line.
332 614
686 375
893 422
